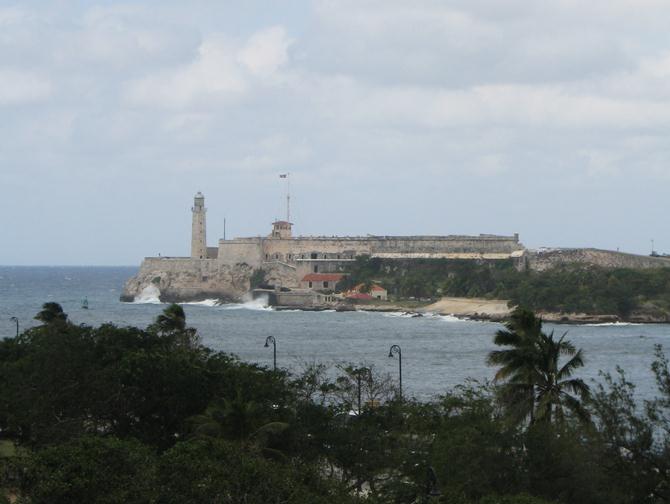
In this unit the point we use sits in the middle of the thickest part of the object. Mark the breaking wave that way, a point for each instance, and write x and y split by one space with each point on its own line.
612 324
259 304
206 302
149 295
401 314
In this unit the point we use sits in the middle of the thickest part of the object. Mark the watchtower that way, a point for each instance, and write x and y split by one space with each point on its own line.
198 232
281 229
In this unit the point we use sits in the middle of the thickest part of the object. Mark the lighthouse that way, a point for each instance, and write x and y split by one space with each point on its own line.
198 235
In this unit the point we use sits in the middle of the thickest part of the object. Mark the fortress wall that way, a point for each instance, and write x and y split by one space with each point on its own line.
241 250
299 247
448 245
542 260
178 265
255 251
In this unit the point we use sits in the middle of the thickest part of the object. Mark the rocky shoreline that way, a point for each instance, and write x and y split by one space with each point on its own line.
551 317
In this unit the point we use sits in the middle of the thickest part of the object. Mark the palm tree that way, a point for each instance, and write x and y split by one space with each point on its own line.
240 420
173 319
535 387
517 363
172 325
554 384
51 312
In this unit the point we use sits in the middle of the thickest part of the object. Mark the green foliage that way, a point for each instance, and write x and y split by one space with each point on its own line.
112 414
475 452
222 472
537 385
91 469
257 278
513 499
568 288
51 313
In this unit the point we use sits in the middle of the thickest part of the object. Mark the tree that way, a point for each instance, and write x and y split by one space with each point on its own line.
172 324
173 319
517 363
90 469
537 386
51 312
553 383
214 470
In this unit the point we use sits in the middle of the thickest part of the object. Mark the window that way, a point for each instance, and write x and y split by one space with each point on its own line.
325 285
316 269
314 256
310 285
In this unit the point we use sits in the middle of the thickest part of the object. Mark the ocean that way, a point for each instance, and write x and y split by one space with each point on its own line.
439 352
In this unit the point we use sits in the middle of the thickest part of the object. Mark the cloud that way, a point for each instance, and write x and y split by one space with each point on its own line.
265 52
436 103
20 87
11 16
221 72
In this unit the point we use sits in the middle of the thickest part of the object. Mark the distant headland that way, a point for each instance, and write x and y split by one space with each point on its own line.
317 272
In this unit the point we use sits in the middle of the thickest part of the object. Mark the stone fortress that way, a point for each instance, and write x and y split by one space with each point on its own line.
225 272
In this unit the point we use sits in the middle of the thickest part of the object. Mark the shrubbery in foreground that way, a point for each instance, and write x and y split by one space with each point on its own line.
112 414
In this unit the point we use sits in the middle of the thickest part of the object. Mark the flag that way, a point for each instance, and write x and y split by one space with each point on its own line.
283 175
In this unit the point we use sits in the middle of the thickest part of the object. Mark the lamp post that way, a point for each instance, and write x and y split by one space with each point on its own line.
268 340
359 372
395 349
15 319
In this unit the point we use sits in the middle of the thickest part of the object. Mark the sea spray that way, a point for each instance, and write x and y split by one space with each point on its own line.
149 295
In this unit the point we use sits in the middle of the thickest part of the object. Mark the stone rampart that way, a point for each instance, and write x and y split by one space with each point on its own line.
255 250
241 251
542 260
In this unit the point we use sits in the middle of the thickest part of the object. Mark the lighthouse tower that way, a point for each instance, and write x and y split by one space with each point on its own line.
198 236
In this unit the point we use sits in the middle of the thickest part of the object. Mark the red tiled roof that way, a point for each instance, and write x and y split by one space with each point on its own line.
359 295
373 288
323 277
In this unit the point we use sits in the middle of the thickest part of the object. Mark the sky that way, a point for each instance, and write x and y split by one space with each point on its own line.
548 119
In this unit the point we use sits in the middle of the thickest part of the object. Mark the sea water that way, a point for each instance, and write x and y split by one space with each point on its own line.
439 352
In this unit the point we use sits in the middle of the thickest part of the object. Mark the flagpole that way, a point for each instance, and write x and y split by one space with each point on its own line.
288 197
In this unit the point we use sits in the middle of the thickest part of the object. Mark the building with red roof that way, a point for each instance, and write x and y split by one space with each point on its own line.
319 281
375 291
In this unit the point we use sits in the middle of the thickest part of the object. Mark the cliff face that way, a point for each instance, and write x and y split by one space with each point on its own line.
185 279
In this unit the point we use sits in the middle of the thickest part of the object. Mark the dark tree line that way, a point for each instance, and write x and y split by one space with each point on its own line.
569 288
122 414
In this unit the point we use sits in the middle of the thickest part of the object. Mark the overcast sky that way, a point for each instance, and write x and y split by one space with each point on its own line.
550 119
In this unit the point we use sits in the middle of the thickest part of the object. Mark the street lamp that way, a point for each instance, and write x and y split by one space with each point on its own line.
358 373
395 349
268 340
15 319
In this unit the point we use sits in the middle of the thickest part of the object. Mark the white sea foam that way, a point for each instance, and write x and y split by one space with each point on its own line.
206 302
612 324
399 314
149 295
453 318
259 304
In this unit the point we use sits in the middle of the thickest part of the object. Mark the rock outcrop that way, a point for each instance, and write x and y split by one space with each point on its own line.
185 279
